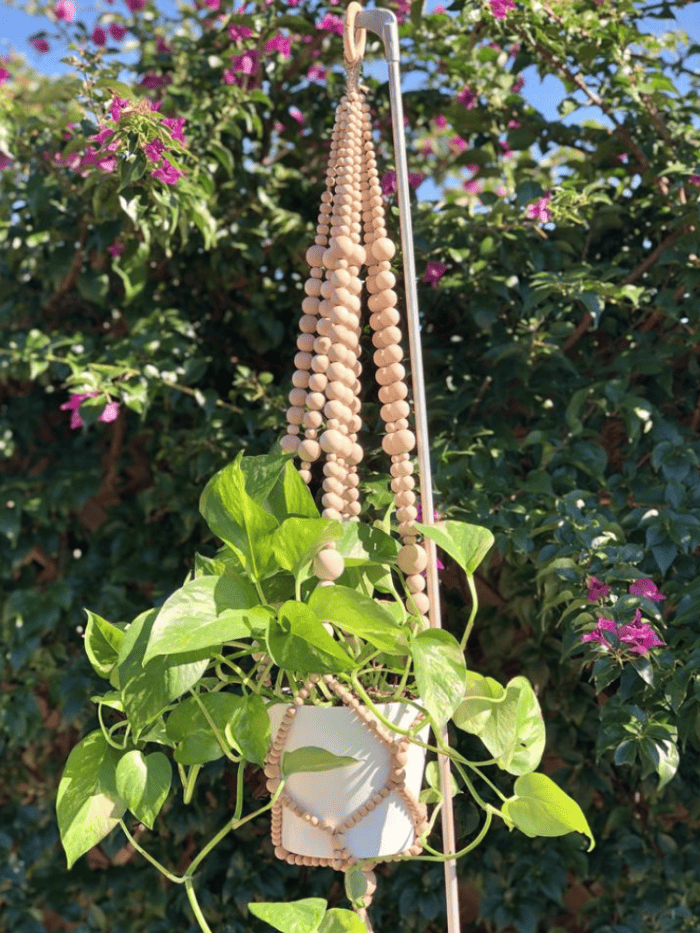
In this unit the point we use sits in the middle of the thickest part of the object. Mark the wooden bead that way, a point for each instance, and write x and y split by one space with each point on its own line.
328 565
289 443
405 441
319 363
412 559
355 456
295 415
307 324
315 401
388 375
345 336
392 393
406 513
293 429
333 442
387 318
322 345
326 289
393 411
339 278
300 379
303 360
318 382
312 287
387 298
305 342
310 305
387 356
341 296
384 279
383 338
415 583
314 255
406 498
323 328
309 450
312 419
297 397
402 468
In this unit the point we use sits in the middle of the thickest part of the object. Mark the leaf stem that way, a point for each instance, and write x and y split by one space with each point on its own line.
189 785
194 904
207 715
475 606
176 879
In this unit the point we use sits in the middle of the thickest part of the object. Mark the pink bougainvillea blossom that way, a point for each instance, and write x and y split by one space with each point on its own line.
155 150
297 115
514 125
441 121
439 9
136 5
517 85
151 80
239 32
416 179
162 46
499 8
41 45
116 249
167 173
427 150
118 104
640 635
433 273
110 412
281 44
175 125
65 10
331 23
501 191
99 36
473 186
316 73
104 132
540 209
246 63
472 167
646 587
694 179
117 32
73 406
467 98
597 590
514 49
4 75
598 633
388 183
458 143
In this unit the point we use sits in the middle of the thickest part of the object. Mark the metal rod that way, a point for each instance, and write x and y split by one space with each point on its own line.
384 24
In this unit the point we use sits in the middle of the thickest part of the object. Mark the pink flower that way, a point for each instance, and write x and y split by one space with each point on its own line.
239 32
246 63
155 150
416 179
5 161
458 143
640 635
151 80
118 104
65 9
427 149
117 32
539 210
136 5
101 136
596 590
110 412
472 167
316 73
501 191
694 179
604 625
175 126
467 98
473 186
514 49
116 249
41 45
4 75
514 125
499 8
297 115
162 46
433 274
167 173
441 121
73 404
107 163
281 44
278 127
331 23
518 85
99 36
647 588
506 151
388 183
439 9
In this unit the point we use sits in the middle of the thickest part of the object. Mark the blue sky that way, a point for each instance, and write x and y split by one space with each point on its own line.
545 95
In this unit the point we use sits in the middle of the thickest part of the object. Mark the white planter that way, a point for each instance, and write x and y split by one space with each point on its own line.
336 796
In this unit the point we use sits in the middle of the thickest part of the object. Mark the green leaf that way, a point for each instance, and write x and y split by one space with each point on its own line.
440 671
88 806
509 722
360 543
147 689
297 540
296 917
312 758
467 544
189 727
203 613
339 920
541 808
262 474
234 515
358 614
290 496
102 643
143 783
249 729
298 642
433 792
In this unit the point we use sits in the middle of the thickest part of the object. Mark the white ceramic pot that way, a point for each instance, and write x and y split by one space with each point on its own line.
334 796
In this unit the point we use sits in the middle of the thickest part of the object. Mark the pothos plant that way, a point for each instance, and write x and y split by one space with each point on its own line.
190 682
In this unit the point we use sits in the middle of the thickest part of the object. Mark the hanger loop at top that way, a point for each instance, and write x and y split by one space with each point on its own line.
353 39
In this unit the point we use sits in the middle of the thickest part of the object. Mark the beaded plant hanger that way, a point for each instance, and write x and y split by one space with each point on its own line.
324 414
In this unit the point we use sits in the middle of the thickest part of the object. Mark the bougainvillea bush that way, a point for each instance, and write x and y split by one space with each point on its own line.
153 225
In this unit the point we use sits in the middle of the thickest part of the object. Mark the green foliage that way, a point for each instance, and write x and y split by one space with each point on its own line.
562 386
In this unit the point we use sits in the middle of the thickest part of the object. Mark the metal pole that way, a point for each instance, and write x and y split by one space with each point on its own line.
384 24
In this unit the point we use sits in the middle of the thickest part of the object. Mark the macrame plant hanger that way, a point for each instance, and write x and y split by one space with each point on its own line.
324 417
